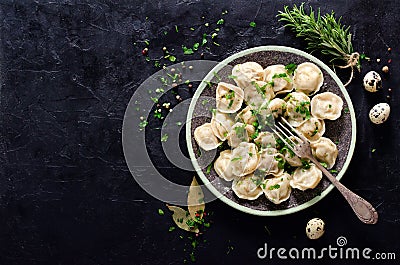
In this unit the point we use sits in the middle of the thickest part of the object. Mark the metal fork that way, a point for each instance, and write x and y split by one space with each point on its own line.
363 209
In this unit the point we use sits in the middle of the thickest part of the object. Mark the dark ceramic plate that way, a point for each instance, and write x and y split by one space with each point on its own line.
342 131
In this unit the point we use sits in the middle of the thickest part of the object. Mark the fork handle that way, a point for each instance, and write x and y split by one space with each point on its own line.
363 209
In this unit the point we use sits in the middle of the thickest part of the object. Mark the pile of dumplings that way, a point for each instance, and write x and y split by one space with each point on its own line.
258 163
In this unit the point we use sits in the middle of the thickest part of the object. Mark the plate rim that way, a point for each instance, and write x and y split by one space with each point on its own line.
202 86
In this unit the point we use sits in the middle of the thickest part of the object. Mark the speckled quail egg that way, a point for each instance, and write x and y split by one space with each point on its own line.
379 113
372 81
315 228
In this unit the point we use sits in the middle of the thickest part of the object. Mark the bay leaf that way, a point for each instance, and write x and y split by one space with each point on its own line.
180 217
196 200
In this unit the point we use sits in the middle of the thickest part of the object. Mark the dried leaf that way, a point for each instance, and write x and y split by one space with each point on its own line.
180 218
195 200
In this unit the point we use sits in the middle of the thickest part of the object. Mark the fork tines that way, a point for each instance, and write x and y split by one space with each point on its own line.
286 132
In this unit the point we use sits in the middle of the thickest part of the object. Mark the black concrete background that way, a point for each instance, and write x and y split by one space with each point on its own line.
68 70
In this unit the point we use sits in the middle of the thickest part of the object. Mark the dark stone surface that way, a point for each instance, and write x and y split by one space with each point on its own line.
68 69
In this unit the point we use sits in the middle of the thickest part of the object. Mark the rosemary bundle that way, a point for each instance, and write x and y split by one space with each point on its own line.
324 34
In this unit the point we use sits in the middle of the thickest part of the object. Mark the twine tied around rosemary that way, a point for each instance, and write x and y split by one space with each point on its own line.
352 61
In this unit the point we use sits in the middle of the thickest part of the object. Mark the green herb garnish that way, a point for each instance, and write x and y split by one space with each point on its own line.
274 187
143 124
306 164
209 168
220 22
290 68
160 212
252 24
322 33
164 138
204 39
281 162
325 165
187 50
236 159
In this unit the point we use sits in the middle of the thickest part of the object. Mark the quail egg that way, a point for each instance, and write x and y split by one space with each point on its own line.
315 228
372 81
379 113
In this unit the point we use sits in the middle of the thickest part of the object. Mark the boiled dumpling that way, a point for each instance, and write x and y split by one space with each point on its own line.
325 151
205 137
246 72
291 158
277 189
240 132
221 124
244 159
277 107
312 129
303 179
229 97
258 93
326 106
308 78
246 115
222 165
270 164
247 187
266 140
277 76
297 108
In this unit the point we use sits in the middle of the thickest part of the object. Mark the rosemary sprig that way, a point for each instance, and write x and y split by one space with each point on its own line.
324 34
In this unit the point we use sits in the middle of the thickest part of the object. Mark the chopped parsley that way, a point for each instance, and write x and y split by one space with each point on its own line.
252 24
281 162
171 58
196 46
157 114
232 76
257 181
160 212
240 131
333 171
260 90
209 168
236 159
187 50
220 22
274 187
283 76
306 164
143 124
204 39
171 228
302 108
218 77
346 110
164 138
290 68
325 165
373 150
